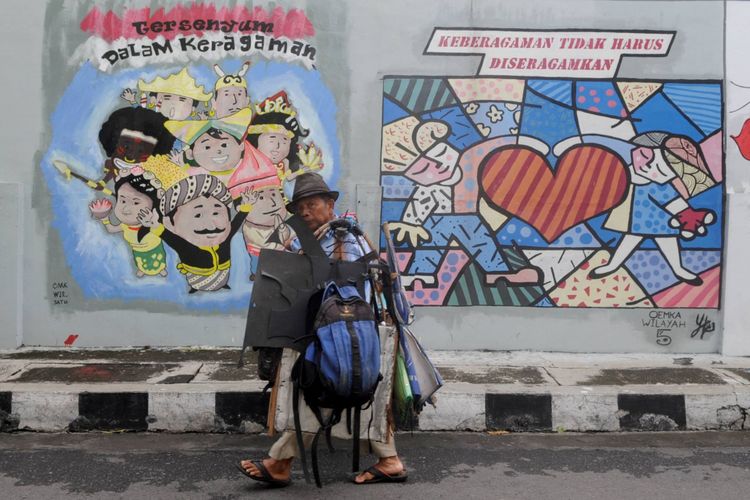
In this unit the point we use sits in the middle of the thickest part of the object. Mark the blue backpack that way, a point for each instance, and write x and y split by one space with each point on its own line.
340 369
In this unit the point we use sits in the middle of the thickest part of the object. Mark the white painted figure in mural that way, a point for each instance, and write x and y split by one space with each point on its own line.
275 131
196 222
177 96
230 92
430 223
664 172
136 189
218 146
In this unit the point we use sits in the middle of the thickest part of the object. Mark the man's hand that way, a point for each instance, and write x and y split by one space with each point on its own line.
148 218
411 232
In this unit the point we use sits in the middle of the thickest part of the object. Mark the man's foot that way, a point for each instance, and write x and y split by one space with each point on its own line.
390 468
279 471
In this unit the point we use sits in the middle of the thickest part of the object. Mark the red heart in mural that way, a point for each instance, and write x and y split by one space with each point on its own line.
588 181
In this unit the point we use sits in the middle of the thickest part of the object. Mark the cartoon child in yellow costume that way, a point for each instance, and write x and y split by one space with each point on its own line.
177 96
138 187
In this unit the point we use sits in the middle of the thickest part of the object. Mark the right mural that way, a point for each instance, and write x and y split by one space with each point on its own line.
555 191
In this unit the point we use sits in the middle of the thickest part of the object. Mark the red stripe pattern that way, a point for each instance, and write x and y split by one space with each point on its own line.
588 181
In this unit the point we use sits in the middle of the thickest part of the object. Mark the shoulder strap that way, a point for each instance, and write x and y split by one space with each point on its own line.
310 244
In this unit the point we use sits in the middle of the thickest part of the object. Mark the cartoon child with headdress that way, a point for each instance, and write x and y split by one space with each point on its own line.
230 92
275 132
177 96
218 147
132 135
196 222
665 171
264 227
135 189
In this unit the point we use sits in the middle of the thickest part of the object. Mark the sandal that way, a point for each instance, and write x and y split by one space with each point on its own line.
378 476
265 476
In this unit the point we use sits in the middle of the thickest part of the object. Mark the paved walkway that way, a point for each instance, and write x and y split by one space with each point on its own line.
203 390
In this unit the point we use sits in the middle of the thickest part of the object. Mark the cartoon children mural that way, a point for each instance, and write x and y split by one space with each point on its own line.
218 146
177 96
264 227
132 135
194 219
230 92
135 189
665 171
275 131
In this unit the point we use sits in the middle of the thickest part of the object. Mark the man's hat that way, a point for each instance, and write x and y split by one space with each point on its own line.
310 184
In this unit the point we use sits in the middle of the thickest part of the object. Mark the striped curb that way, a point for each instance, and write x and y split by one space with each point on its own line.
532 410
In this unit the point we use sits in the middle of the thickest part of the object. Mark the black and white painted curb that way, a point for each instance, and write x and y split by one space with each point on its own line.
566 409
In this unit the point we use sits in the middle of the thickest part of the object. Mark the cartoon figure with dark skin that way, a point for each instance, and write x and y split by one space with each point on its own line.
230 92
177 96
275 132
136 189
217 147
132 135
429 223
197 225
665 171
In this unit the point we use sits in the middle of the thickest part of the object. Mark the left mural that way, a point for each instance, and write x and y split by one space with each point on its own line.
176 122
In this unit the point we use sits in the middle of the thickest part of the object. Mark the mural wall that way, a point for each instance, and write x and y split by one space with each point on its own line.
167 134
554 192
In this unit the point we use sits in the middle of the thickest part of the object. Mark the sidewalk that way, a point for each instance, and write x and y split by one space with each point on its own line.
202 390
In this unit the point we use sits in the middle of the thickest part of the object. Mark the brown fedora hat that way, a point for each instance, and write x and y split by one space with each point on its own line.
310 184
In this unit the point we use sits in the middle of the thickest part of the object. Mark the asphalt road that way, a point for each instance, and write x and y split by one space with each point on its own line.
711 465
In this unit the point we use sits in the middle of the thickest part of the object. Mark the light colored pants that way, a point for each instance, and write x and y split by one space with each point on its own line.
286 446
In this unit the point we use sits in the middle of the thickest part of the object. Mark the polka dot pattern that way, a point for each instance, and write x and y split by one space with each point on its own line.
651 269
488 89
451 266
600 98
396 187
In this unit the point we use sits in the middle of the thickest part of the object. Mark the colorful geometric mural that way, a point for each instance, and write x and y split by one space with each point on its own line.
555 192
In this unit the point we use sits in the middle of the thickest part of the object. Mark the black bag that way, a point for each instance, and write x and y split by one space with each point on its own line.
268 363
287 290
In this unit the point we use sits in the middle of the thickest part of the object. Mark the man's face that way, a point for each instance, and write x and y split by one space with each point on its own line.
174 107
269 210
134 146
229 100
650 164
274 146
315 210
129 202
204 222
217 152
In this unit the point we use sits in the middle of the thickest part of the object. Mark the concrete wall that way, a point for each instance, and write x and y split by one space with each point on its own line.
358 45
